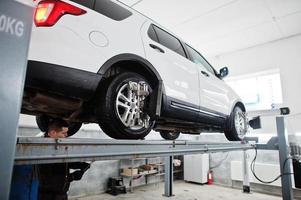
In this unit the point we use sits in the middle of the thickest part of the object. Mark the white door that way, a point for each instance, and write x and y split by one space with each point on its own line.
215 95
166 54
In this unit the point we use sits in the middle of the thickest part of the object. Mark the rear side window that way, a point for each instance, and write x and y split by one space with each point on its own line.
111 10
152 34
166 40
86 3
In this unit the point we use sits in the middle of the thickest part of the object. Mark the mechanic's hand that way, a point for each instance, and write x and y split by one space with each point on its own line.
77 175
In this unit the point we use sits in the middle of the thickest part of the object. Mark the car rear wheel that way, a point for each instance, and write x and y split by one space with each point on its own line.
43 121
169 135
122 105
236 126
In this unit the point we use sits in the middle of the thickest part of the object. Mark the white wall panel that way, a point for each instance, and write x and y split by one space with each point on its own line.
265 172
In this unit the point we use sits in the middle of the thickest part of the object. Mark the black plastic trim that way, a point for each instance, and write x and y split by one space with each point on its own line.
181 110
61 80
174 112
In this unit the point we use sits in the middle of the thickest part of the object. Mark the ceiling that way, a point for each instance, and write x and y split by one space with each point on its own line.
216 27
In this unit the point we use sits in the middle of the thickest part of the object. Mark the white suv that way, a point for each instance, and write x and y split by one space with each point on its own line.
99 61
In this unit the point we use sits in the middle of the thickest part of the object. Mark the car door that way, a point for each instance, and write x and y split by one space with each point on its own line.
166 53
215 95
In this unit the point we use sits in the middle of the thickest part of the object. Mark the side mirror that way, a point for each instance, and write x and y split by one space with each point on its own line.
223 72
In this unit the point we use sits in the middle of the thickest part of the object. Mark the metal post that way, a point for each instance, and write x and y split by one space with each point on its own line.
15 29
168 178
146 177
287 191
246 179
132 176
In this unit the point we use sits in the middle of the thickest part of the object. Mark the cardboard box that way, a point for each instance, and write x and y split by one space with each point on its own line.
149 172
129 171
149 167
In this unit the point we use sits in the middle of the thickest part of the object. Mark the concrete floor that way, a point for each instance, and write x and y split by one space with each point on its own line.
184 191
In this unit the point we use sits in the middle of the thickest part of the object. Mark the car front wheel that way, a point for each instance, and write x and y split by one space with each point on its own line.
122 107
236 125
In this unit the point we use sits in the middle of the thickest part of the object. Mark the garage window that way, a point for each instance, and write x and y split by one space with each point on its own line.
111 10
166 40
258 91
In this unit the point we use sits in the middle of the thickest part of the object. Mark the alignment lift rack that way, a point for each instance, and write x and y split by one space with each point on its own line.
35 150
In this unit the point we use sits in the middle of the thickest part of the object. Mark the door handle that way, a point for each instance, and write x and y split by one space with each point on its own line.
205 73
157 48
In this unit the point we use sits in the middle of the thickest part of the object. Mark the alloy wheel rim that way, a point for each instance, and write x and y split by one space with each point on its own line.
240 123
129 109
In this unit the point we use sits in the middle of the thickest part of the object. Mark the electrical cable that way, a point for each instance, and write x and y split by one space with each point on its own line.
284 163
252 166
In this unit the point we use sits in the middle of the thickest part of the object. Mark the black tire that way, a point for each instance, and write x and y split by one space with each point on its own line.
109 120
230 130
43 120
73 128
169 135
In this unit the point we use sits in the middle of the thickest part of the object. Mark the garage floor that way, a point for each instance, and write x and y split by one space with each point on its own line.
184 191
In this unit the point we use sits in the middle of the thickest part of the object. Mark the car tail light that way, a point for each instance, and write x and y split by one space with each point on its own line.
48 12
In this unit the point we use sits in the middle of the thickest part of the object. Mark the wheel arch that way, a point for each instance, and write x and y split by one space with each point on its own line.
241 105
130 62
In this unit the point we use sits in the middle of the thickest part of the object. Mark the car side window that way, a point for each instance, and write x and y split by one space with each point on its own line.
197 58
86 3
166 40
152 34
111 10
